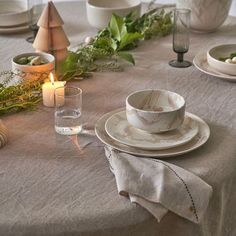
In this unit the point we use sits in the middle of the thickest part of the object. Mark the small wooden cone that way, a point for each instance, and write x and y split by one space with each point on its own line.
60 55
56 39
50 17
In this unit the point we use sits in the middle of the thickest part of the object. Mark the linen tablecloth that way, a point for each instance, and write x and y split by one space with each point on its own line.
49 186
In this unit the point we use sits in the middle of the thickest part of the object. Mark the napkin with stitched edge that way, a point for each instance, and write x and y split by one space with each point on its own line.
159 186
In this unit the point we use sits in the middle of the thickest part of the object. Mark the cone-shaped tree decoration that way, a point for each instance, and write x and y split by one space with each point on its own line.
51 38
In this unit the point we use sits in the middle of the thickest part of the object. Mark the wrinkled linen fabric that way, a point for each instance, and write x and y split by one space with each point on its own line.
48 188
159 186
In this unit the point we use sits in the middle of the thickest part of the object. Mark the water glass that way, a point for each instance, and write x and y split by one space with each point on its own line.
68 110
181 37
35 8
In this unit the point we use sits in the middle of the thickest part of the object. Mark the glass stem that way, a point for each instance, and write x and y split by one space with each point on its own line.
180 57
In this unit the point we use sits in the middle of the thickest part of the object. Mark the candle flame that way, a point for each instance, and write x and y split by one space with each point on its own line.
51 78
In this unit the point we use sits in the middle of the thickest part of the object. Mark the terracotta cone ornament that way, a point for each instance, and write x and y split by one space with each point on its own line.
51 37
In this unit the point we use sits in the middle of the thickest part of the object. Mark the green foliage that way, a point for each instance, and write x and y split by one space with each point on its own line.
112 43
23 94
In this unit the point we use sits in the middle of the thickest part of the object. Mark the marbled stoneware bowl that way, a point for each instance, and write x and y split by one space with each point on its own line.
206 15
155 111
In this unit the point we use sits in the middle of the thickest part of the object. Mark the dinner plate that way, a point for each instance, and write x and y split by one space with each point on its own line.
11 30
196 142
118 128
200 62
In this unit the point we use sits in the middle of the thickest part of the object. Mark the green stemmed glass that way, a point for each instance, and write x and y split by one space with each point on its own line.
181 37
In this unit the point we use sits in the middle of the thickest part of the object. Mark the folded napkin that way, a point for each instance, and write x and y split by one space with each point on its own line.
159 186
3 134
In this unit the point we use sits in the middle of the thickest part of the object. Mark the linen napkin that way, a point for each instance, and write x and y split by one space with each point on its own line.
159 186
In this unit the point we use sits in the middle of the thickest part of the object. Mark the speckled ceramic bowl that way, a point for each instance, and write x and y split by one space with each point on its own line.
219 51
28 70
155 111
99 12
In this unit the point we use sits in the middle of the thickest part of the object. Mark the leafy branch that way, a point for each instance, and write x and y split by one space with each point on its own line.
112 43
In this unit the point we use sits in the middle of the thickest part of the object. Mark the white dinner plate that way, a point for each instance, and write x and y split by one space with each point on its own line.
11 30
196 142
118 128
200 62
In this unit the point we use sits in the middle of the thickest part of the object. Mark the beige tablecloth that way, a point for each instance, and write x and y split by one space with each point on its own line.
48 186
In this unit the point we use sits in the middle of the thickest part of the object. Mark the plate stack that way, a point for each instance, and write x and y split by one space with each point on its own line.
213 62
153 124
14 16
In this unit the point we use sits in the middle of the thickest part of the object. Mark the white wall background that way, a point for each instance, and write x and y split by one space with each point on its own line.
232 10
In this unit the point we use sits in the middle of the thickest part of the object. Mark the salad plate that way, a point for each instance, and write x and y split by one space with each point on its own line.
118 128
200 139
200 62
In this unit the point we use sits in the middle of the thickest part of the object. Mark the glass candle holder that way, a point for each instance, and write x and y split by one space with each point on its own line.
68 110
181 37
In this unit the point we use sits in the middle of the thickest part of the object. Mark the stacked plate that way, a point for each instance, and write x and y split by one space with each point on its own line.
114 130
14 16
201 63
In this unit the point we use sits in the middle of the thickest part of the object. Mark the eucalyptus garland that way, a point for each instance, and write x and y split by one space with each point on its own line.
101 53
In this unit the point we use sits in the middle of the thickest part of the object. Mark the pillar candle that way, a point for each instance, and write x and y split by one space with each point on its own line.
49 89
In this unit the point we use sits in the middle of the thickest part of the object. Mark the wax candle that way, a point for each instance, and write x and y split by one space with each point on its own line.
49 89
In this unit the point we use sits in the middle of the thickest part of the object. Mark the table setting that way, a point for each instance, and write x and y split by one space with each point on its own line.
112 135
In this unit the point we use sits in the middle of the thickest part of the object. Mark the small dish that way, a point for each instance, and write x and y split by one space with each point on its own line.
220 51
155 111
99 12
28 70
118 128
200 62
200 139
13 13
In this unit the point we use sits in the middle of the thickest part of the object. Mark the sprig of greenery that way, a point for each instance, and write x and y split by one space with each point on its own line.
112 43
25 93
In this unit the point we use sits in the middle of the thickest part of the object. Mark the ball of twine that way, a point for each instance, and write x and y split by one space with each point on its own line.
3 134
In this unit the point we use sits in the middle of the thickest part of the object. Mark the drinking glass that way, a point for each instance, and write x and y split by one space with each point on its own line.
181 37
68 110
35 8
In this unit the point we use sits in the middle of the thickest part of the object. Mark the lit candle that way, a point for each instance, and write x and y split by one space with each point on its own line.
49 89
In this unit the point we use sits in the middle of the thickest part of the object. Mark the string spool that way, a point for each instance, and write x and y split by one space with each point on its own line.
3 134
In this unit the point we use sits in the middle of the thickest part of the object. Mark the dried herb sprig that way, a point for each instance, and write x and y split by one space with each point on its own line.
19 90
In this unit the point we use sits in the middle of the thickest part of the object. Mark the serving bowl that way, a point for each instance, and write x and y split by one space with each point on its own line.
99 12
13 13
155 111
29 70
222 51
206 15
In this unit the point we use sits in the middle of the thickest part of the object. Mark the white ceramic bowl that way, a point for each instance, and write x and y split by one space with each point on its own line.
29 69
215 53
155 111
99 12
13 13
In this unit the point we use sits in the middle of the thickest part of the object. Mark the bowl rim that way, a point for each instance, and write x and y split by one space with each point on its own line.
88 2
216 60
155 112
50 60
